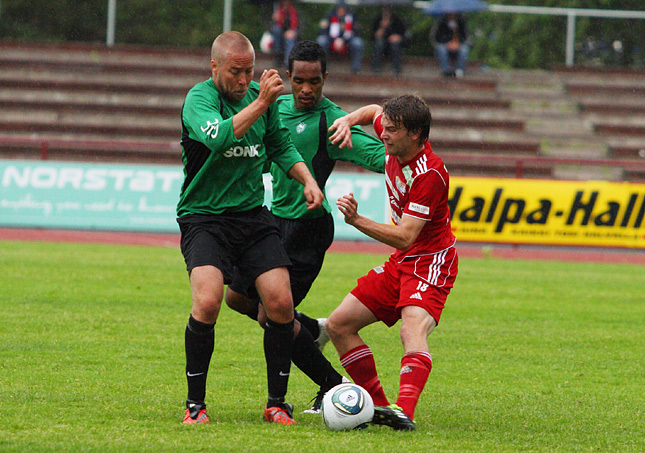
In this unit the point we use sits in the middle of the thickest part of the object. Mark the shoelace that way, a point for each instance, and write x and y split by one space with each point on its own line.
317 400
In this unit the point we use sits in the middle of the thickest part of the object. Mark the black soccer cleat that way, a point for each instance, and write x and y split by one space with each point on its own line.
318 399
394 417
317 402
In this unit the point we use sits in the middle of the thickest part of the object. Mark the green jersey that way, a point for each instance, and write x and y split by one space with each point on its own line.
309 132
222 173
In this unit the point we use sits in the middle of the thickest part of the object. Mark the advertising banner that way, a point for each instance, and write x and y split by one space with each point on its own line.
522 211
72 195
89 196
143 198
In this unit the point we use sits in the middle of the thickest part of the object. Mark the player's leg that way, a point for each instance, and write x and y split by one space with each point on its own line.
206 283
416 325
416 364
343 327
306 354
273 288
241 303
306 242
424 288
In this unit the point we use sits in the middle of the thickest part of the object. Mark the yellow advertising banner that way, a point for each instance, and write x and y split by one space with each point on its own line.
523 211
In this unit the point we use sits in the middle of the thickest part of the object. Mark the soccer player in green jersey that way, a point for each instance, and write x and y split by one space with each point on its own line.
230 130
307 234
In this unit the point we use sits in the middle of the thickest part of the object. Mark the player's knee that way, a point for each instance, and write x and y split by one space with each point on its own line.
206 307
336 327
279 309
240 303
416 328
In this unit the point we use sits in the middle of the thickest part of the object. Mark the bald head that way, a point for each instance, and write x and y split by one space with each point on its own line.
230 43
232 63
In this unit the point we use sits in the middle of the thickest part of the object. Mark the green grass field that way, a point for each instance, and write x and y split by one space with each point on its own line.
529 356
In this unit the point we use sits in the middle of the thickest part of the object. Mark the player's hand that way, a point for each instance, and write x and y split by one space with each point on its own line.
348 205
271 86
314 196
342 133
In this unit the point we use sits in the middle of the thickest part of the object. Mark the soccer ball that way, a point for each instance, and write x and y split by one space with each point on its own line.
347 406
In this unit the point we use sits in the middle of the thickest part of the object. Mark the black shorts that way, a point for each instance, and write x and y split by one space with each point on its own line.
247 241
306 241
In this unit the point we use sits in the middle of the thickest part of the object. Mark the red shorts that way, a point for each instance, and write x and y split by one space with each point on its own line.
424 281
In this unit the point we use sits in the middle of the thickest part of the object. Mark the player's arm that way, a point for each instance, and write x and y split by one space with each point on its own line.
341 127
400 236
270 88
313 194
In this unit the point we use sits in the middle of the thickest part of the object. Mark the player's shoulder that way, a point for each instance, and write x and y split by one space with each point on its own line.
202 95
202 88
328 104
254 86
429 165
286 99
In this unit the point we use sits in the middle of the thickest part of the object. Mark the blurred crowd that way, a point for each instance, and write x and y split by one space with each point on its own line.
340 35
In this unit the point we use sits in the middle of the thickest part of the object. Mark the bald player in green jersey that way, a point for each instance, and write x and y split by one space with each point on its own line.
307 234
230 130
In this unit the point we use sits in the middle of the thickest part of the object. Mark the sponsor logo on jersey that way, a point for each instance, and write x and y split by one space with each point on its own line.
416 295
391 187
419 208
211 128
395 217
300 128
379 269
242 151
399 184
407 172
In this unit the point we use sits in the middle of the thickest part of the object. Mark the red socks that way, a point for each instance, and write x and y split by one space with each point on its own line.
415 368
359 364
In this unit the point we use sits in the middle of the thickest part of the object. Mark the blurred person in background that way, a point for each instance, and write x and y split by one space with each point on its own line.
338 33
450 42
284 30
389 33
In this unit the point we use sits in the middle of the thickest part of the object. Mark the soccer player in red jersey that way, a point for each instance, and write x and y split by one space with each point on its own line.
415 281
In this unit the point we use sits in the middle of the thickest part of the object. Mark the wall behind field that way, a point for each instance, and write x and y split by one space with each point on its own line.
142 198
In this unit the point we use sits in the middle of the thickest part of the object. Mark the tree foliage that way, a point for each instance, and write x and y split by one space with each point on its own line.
499 39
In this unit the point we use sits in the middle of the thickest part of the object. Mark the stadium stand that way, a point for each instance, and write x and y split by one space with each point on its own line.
92 103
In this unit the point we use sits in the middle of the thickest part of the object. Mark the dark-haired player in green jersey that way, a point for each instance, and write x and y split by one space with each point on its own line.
307 234
230 130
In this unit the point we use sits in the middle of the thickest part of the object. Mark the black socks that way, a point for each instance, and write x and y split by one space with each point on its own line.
199 341
278 347
309 323
312 362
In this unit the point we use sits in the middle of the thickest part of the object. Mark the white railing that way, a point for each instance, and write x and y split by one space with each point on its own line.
571 14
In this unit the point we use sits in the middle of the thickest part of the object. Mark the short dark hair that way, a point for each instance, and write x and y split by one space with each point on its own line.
308 51
411 112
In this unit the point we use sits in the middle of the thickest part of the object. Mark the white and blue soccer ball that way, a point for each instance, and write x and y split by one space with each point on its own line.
346 407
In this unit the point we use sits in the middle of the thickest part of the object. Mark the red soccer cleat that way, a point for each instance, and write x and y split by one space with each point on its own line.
281 415
199 417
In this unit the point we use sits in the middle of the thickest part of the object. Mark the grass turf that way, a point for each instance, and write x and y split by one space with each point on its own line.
529 356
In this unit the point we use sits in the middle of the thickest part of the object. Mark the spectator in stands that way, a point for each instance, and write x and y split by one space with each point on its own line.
451 45
389 33
338 33
284 30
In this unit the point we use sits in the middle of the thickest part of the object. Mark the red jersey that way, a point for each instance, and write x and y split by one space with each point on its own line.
419 188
